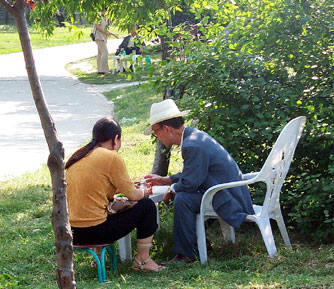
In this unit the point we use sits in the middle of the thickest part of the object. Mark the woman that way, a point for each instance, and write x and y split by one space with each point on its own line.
101 34
94 174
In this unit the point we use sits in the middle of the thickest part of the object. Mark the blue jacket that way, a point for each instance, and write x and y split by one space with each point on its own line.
205 164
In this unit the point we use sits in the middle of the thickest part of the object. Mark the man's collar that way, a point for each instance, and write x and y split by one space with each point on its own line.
182 136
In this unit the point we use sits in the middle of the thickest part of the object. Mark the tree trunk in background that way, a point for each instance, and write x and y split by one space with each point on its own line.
161 159
60 223
164 48
7 18
162 153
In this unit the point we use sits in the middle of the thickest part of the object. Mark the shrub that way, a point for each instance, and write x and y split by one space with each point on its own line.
275 64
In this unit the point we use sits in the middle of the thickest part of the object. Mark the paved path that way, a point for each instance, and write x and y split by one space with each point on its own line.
74 106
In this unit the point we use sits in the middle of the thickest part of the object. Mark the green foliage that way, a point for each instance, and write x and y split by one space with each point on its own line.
255 66
183 14
124 14
8 281
27 242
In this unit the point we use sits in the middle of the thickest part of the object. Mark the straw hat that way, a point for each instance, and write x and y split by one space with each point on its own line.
161 111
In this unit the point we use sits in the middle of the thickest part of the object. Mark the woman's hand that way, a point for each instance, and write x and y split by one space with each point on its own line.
146 193
138 194
157 180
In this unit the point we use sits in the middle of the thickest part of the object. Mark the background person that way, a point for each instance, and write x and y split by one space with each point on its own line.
205 164
131 43
60 17
101 35
94 174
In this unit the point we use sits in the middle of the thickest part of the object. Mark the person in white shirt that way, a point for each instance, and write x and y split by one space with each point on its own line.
101 35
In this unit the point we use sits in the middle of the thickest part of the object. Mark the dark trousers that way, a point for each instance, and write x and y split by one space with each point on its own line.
142 216
186 207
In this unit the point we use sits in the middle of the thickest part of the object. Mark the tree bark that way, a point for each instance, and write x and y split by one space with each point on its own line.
162 153
164 48
60 223
161 159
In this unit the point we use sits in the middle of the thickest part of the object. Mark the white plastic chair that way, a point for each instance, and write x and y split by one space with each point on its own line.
272 174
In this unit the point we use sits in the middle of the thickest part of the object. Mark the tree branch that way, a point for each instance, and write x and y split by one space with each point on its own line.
7 6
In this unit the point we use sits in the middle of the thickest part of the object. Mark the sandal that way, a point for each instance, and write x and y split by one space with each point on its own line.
141 266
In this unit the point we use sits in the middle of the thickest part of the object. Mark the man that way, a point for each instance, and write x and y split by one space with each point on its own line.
129 44
205 164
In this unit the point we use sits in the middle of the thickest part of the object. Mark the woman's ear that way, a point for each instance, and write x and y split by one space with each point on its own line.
113 141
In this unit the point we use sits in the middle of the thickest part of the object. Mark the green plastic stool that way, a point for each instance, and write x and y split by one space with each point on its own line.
101 269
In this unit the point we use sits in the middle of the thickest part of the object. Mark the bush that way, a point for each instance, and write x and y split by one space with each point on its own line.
8 281
243 88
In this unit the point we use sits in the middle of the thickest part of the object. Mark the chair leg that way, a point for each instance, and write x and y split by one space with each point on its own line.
158 217
282 229
227 231
201 239
121 65
113 67
267 235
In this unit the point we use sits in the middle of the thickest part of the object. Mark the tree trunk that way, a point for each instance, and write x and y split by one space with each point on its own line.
7 18
60 223
164 48
162 153
161 159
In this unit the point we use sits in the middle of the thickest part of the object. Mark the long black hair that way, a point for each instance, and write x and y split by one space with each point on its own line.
104 129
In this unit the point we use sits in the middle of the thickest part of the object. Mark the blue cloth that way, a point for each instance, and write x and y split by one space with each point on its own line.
205 164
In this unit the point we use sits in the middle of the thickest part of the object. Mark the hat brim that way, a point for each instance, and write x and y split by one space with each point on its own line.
149 129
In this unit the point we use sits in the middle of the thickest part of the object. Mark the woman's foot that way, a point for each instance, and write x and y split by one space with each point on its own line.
147 265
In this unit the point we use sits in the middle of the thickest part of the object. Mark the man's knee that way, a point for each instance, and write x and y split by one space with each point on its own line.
187 202
179 199
183 203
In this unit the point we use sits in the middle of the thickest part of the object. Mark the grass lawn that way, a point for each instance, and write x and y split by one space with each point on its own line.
27 242
10 42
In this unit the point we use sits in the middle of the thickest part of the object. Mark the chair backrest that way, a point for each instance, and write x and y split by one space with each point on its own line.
278 162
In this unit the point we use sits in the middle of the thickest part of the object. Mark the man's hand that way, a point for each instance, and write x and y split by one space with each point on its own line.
168 196
157 180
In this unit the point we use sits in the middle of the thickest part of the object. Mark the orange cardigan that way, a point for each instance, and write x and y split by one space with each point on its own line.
91 183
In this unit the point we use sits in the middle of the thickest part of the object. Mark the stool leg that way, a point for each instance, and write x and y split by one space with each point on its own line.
103 264
112 255
98 264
